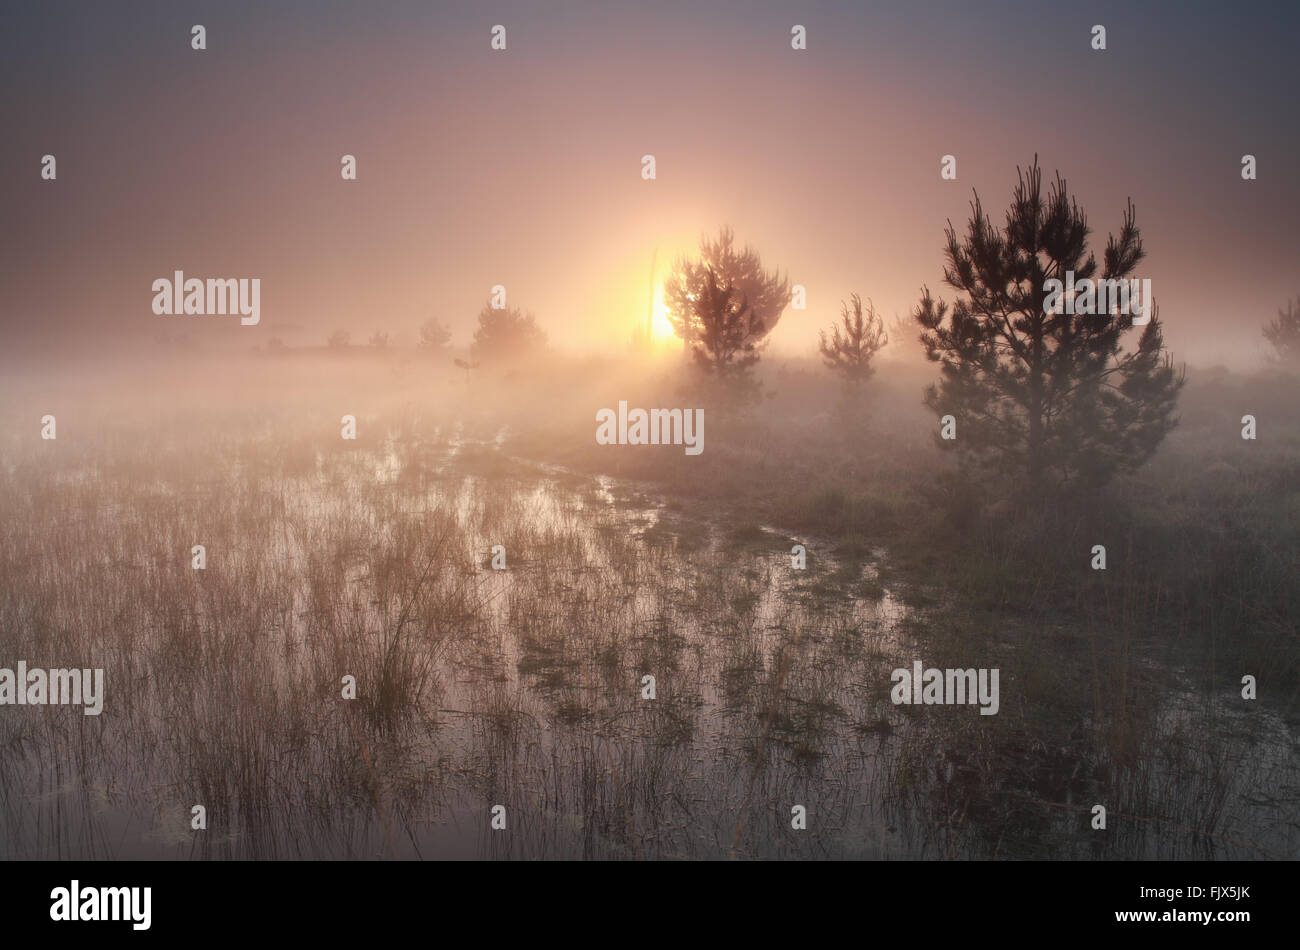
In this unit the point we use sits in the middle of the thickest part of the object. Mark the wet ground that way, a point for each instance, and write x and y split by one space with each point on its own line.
525 687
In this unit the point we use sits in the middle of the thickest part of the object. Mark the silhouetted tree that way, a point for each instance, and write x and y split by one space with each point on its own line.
1053 397
725 339
339 339
505 335
853 342
379 339
765 293
1284 334
433 334
723 305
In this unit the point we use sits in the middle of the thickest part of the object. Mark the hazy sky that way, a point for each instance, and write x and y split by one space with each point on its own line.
523 167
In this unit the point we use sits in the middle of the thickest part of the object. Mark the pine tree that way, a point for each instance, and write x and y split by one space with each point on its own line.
853 342
1054 398
1284 334
726 330
434 335
723 305
506 335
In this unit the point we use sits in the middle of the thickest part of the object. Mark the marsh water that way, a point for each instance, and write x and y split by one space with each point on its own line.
525 686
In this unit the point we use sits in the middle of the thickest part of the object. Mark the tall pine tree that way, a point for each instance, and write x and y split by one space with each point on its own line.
1054 398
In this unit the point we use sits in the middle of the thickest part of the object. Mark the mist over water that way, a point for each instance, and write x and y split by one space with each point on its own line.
523 687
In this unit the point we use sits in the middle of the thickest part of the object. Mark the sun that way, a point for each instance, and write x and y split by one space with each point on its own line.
661 328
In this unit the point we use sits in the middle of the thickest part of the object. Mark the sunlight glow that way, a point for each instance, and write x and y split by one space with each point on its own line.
660 327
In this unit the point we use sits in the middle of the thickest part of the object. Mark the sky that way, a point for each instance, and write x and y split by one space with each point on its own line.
523 167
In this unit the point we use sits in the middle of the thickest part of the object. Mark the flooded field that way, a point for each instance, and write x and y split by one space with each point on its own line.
523 683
